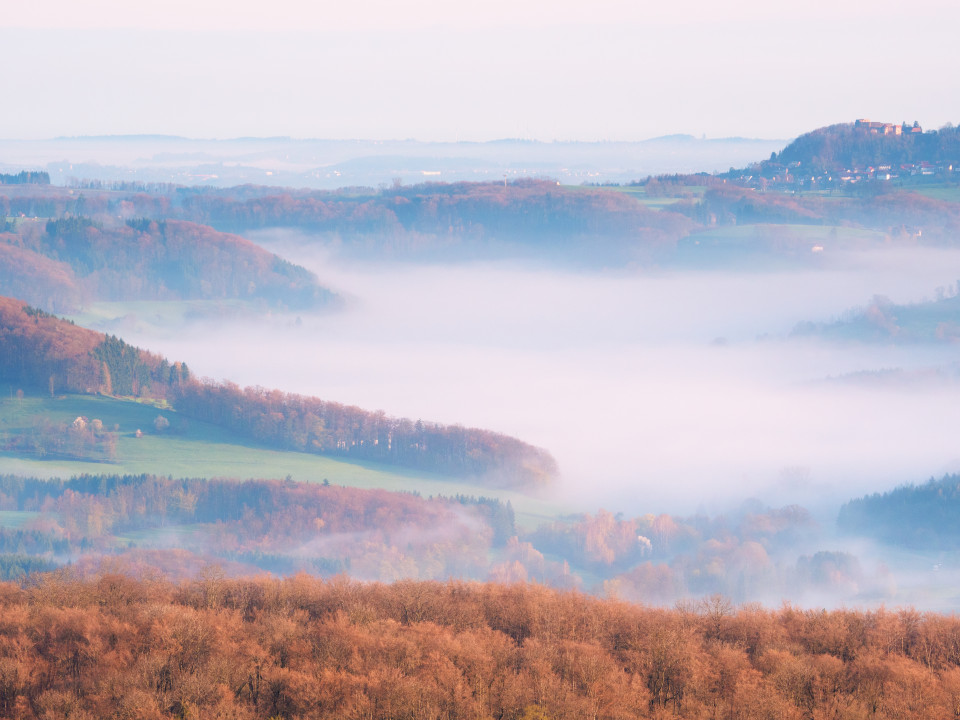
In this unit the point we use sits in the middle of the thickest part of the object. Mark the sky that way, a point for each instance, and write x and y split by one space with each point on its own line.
436 70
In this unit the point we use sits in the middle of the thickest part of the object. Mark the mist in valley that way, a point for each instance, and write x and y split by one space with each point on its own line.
657 391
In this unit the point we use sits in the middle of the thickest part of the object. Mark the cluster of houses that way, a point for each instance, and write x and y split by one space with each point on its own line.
794 176
891 172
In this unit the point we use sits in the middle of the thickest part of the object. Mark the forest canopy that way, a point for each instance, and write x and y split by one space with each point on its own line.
110 644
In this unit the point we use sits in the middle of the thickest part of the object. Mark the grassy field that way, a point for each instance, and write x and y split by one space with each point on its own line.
198 449
168 314
780 236
950 193
766 247
639 194
811 232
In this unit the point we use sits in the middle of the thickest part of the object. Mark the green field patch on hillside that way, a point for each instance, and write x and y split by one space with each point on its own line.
824 233
639 193
192 448
763 244
140 315
950 193
655 203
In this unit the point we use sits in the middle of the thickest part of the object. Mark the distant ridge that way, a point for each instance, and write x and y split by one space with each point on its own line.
159 137
122 137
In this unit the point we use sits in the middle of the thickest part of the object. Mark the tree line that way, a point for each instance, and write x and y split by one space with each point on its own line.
285 527
921 517
25 177
418 220
256 525
310 424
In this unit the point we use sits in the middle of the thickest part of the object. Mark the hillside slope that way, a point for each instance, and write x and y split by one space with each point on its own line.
47 354
59 263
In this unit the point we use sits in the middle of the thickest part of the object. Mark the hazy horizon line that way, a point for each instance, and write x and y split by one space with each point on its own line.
491 141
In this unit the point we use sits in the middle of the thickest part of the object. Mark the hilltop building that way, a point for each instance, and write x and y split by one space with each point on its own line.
879 128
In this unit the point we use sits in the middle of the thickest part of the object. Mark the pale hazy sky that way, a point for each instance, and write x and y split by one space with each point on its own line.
442 70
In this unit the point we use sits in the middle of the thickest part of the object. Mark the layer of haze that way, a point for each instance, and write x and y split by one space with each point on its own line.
676 391
443 71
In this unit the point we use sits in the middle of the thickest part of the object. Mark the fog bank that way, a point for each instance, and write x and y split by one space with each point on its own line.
656 392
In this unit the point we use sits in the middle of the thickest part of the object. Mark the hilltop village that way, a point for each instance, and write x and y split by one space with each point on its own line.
855 153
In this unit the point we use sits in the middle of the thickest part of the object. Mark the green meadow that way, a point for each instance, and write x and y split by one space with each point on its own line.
658 202
155 314
950 193
639 193
192 448
824 233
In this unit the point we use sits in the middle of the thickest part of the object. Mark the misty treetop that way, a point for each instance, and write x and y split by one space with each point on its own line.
273 525
178 524
922 517
882 320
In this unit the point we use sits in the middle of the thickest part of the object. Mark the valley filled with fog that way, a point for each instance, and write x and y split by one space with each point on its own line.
656 390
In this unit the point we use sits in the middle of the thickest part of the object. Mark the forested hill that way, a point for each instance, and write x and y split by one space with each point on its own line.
60 263
41 352
524 211
922 517
853 146
525 216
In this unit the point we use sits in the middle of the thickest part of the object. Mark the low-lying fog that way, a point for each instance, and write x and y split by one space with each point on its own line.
673 391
